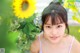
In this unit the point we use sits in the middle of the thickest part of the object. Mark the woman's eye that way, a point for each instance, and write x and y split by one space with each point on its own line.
59 26
48 26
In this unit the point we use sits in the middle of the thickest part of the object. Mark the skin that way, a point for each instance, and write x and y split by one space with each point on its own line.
55 40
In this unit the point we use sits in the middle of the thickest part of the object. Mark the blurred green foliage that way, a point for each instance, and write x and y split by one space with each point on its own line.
15 34
74 31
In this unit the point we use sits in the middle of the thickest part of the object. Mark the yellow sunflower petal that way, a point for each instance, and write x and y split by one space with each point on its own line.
17 6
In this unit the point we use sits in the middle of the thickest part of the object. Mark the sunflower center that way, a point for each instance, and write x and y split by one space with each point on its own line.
24 5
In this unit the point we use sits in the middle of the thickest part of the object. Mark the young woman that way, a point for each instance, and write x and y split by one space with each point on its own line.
53 38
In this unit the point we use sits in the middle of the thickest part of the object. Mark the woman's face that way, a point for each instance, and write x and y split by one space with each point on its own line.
54 33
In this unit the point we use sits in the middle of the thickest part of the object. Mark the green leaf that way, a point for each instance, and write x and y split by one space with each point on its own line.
30 19
31 26
22 25
26 29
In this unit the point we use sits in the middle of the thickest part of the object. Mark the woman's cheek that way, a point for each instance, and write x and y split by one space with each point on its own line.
47 31
61 31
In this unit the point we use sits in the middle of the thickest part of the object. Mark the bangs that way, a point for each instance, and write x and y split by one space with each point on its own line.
55 19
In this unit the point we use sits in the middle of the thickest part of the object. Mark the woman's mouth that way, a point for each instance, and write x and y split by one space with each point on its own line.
54 37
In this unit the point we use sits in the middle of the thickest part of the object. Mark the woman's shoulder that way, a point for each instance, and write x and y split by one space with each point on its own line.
36 41
75 45
35 46
69 37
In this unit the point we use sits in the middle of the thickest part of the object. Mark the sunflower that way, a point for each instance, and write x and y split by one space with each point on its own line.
24 8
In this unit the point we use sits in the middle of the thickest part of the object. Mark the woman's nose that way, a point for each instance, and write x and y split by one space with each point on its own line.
54 31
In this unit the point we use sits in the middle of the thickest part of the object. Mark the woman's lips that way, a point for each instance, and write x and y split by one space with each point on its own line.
54 38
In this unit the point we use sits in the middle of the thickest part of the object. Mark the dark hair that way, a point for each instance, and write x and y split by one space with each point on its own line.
57 12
